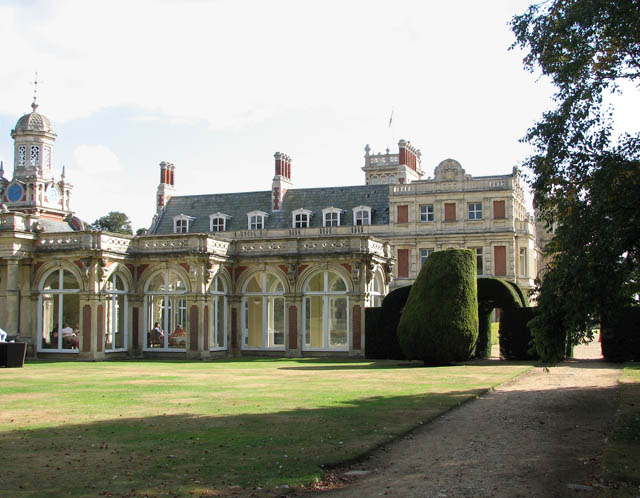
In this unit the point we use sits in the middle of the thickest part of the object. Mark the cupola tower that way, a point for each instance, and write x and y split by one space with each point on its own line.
33 189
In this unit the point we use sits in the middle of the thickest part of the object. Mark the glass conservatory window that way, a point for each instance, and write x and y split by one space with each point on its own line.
59 312
263 312
115 338
326 312
166 312
376 289
218 315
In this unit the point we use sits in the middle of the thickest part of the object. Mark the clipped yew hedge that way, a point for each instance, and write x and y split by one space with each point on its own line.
620 332
524 300
516 340
494 293
439 324
381 327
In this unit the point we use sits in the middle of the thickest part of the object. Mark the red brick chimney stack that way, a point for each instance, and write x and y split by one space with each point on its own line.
167 172
281 180
283 165
166 188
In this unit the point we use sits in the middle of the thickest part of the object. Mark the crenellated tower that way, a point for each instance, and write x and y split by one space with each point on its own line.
391 168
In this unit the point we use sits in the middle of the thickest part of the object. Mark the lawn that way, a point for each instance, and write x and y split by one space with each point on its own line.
139 428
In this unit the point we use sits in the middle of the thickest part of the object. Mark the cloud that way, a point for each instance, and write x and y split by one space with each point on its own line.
96 159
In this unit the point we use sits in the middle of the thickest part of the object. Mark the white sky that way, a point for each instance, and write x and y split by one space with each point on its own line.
216 87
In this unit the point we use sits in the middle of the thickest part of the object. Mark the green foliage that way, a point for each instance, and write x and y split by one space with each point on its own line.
516 340
115 222
439 323
621 334
493 293
585 176
375 347
524 301
383 326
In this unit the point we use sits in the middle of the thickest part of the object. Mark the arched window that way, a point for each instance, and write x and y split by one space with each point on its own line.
326 312
59 305
166 312
218 315
376 291
263 312
115 338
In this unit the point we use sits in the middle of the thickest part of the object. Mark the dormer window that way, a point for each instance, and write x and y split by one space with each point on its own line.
256 220
362 215
218 222
301 218
181 223
331 217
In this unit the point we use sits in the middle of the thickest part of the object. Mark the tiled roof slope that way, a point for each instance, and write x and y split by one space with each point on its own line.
237 206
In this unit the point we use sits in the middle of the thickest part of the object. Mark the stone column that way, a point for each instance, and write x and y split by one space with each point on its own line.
11 297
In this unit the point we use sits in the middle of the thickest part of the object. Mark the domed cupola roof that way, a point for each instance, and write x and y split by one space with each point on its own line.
34 121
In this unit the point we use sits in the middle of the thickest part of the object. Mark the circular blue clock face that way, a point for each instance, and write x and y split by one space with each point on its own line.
14 192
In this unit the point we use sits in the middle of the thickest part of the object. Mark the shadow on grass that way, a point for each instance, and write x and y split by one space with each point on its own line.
179 454
205 454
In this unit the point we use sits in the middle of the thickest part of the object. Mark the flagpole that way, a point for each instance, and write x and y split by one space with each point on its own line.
392 125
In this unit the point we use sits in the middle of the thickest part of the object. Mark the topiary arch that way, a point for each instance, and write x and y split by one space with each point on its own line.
494 293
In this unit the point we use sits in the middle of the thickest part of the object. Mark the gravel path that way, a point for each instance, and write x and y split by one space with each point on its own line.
541 435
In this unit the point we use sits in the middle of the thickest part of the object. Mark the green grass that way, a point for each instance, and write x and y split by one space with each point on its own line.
495 337
622 455
148 428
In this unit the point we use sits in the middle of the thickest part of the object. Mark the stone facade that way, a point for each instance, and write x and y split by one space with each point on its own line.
281 272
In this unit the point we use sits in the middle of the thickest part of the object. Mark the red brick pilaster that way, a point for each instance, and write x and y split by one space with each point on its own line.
86 328
357 330
193 328
293 327
206 326
100 327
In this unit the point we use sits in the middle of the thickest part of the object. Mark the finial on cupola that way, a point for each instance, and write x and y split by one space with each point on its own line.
63 175
1 169
34 104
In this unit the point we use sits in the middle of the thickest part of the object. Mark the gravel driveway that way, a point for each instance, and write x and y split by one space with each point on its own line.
541 435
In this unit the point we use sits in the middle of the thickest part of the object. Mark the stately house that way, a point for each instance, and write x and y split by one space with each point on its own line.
284 271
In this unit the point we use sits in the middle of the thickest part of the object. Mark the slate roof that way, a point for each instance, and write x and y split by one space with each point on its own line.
237 205
56 226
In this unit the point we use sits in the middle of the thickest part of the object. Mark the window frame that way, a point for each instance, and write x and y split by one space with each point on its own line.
58 301
256 220
429 215
331 211
111 306
218 313
301 218
424 253
182 221
474 211
172 301
524 266
268 307
218 216
479 254
358 215
326 294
